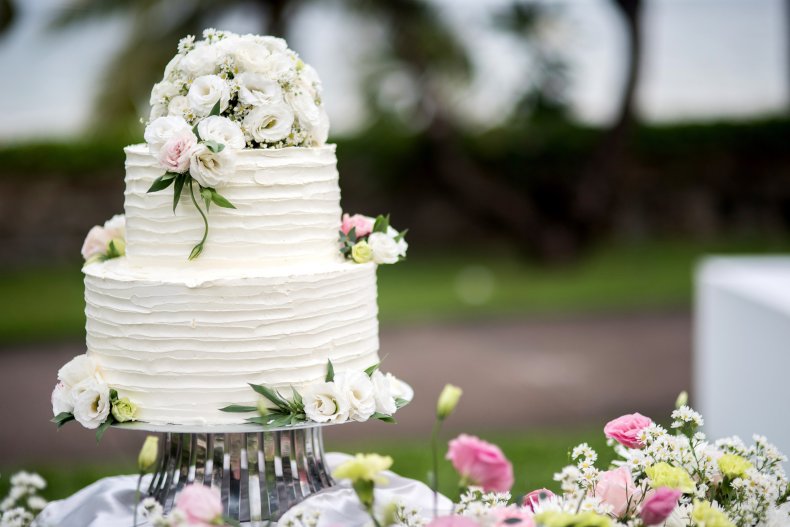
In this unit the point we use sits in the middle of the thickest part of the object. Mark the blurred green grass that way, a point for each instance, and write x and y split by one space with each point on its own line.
46 303
536 456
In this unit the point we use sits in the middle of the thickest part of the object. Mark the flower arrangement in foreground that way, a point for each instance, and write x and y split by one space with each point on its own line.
345 396
23 502
220 95
364 239
82 395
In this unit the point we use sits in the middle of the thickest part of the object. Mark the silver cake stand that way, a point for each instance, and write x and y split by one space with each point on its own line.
260 471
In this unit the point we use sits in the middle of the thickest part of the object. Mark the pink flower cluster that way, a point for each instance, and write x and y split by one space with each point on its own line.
362 225
626 429
201 506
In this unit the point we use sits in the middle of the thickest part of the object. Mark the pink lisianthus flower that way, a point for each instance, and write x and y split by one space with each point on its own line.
532 499
617 488
480 463
513 516
96 242
657 508
362 225
201 505
175 153
625 429
453 521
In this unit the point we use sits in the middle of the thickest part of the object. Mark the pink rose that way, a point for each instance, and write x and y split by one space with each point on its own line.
174 154
96 242
625 430
362 225
453 521
480 463
201 505
659 505
535 497
617 488
513 516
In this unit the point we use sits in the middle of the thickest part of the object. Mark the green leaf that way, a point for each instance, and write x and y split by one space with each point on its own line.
177 188
205 193
401 235
400 402
382 223
195 131
214 146
103 428
62 418
113 394
352 235
227 520
215 110
330 371
298 402
112 251
220 200
239 408
384 417
162 182
271 395
370 371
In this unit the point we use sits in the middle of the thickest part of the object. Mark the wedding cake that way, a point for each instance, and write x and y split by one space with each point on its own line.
233 285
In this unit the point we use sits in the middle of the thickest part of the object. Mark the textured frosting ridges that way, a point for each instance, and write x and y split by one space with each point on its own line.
287 210
182 343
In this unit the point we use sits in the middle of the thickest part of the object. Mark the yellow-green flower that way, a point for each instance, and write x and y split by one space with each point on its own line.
124 410
567 519
148 454
448 400
665 475
362 252
734 466
704 515
364 467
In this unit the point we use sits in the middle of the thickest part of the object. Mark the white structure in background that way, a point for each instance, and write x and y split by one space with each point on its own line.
742 348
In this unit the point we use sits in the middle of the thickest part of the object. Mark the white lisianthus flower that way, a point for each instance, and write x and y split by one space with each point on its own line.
257 89
157 111
164 90
116 226
206 91
171 70
77 370
210 168
61 400
398 388
179 106
221 130
382 389
402 245
273 44
200 61
312 117
280 66
161 129
95 243
325 403
249 55
385 248
174 156
91 403
269 123
356 385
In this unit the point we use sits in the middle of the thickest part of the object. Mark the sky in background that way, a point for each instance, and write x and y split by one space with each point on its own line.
704 59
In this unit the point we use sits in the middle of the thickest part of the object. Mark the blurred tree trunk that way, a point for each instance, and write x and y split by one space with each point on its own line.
276 22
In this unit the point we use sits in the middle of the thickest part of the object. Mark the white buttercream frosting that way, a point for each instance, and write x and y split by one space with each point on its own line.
182 342
287 211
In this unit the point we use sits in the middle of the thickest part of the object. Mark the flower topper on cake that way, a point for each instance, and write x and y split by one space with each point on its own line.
105 242
364 239
222 94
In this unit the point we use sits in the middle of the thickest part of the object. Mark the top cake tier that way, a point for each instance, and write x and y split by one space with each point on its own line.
287 211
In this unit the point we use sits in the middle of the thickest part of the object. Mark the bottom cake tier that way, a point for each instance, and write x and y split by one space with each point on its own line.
183 343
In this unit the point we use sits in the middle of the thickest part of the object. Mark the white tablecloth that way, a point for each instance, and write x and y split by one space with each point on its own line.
110 502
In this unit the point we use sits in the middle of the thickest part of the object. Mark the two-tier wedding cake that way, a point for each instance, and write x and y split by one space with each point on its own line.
234 285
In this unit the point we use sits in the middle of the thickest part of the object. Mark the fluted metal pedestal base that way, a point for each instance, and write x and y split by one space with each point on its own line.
259 474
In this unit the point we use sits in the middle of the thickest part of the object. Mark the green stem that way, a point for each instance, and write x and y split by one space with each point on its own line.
437 425
137 497
197 249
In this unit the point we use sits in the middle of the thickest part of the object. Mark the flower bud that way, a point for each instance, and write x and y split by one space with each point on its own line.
148 454
263 409
124 410
682 400
448 400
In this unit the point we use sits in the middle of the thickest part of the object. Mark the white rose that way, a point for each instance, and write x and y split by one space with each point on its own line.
269 123
173 66
320 129
382 389
273 44
312 117
358 388
202 60
77 370
210 168
385 249
161 129
61 400
222 130
249 55
164 90
280 66
310 80
157 111
402 245
91 403
257 89
398 388
206 91
324 403
179 106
